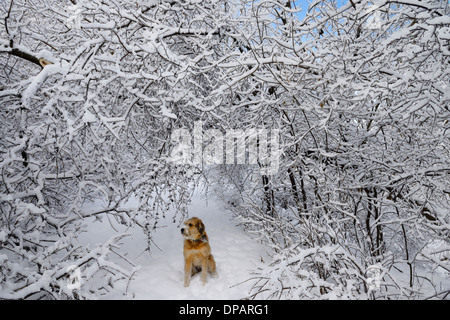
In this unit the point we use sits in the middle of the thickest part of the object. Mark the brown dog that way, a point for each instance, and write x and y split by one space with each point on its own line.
197 252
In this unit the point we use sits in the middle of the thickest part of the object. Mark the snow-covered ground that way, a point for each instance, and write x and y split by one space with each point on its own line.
160 274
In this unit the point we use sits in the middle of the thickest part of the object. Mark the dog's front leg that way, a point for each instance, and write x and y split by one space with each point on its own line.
204 270
187 272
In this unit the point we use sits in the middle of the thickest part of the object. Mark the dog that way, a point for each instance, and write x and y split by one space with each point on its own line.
197 252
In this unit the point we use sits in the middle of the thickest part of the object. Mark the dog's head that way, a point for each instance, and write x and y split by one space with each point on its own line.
194 229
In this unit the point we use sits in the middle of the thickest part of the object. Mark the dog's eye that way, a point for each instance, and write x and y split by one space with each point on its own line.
190 224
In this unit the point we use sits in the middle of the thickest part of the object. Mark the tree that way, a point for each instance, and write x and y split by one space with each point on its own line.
363 182
91 92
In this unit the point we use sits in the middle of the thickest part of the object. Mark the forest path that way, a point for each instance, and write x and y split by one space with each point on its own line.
160 274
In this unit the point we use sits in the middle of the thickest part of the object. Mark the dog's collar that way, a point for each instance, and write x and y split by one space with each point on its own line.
202 239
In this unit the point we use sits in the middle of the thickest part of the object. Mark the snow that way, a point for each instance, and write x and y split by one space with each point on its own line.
108 25
440 20
37 82
159 274
2 236
89 117
166 112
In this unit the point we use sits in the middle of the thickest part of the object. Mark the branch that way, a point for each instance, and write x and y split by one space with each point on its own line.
28 56
24 55
14 51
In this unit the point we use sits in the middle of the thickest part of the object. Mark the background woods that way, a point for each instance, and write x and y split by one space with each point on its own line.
91 92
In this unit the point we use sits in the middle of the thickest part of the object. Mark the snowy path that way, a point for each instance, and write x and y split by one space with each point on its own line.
161 272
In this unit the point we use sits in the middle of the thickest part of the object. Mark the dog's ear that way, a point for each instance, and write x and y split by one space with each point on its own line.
201 227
